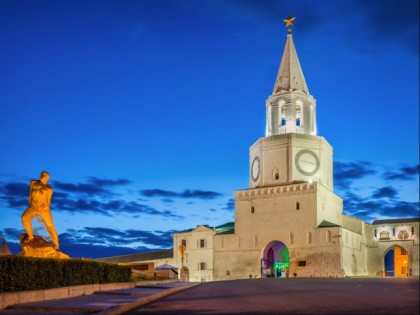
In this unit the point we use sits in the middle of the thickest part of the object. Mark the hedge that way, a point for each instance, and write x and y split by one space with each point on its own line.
19 273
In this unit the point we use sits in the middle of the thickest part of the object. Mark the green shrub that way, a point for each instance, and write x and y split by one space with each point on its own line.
18 273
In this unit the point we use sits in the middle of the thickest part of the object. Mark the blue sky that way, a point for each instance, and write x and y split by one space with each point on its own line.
143 111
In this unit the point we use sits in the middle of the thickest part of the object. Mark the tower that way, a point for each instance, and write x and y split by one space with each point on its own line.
291 151
280 220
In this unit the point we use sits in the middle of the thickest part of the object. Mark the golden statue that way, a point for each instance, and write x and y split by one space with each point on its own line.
39 205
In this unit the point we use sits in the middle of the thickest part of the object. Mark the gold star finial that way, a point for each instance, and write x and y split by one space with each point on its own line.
289 22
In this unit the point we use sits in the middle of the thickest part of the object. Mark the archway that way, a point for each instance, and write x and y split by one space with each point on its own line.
396 262
185 274
275 261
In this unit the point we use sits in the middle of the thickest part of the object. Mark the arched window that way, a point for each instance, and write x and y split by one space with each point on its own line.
299 114
276 174
283 114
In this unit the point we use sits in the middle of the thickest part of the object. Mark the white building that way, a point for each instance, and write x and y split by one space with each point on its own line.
290 222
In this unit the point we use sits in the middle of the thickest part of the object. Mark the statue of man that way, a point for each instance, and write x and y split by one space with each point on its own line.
39 204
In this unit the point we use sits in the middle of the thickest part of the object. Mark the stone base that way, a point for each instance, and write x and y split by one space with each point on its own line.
39 247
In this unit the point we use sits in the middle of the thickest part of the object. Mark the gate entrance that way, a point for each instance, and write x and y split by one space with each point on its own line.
396 262
275 262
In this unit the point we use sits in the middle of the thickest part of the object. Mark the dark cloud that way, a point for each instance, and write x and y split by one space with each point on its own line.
10 233
15 195
16 190
403 173
106 242
91 197
110 208
108 182
345 173
230 205
94 186
392 20
87 189
187 193
385 192
369 209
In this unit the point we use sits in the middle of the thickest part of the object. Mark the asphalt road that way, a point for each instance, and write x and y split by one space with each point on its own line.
293 296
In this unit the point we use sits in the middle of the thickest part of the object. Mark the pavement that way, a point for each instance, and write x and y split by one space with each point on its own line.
100 303
287 296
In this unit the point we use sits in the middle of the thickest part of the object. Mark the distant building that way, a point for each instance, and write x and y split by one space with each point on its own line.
290 222
4 249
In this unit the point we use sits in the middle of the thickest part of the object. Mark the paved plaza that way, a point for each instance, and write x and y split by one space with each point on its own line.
249 296
293 296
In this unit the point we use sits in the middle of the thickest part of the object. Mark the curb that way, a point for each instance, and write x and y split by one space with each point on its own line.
116 310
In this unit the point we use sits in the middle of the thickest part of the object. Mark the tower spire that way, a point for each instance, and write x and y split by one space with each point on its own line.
290 108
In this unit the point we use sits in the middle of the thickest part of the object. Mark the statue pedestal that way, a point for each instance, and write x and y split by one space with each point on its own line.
39 247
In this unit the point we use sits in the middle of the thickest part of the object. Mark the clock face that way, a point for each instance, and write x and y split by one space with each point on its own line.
307 162
255 169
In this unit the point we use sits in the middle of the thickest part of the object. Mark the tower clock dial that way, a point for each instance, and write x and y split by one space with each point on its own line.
307 162
255 169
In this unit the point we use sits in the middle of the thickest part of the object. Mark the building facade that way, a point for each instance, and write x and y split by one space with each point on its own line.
290 223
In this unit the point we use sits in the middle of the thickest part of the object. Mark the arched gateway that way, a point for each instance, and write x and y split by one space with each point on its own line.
396 262
275 260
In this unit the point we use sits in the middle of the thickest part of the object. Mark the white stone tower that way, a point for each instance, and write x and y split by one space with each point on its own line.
291 151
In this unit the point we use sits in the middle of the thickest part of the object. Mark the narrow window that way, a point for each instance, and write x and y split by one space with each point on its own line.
412 231
184 242
202 243
328 236
393 231
202 266
375 233
291 238
309 238
252 209
297 206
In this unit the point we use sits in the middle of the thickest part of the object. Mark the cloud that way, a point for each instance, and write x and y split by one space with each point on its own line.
95 242
94 186
112 242
15 195
111 208
392 20
345 173
403 173
230 205
371 208
385 192
186 194
94 196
